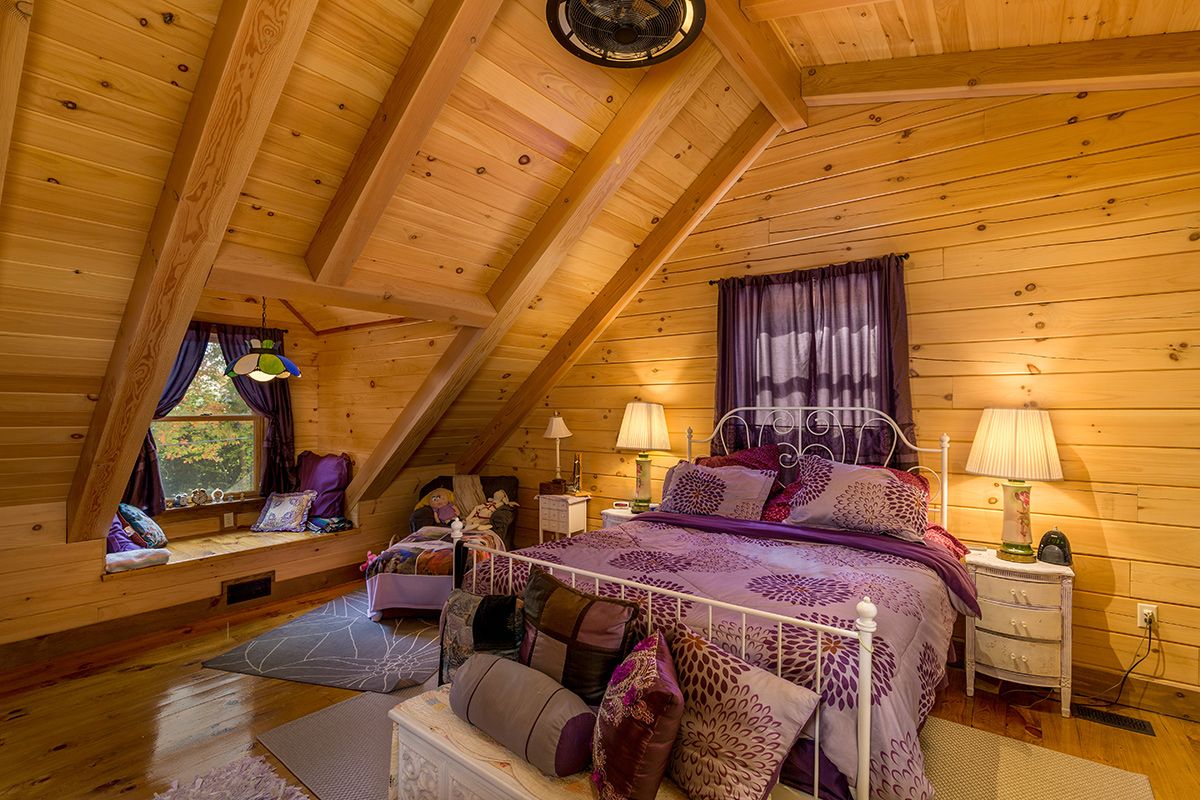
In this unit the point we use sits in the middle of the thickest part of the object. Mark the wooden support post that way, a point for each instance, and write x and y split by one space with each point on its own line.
643 117
15 16
734 158
447 38
766 10
249 58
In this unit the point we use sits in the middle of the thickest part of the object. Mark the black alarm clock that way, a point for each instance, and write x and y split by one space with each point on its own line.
1055 548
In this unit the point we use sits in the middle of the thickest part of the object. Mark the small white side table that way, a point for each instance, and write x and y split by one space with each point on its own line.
612 517
561 515
1024 633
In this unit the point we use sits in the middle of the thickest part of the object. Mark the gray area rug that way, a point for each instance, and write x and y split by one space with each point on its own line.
342 752
243 779
338 645
969 764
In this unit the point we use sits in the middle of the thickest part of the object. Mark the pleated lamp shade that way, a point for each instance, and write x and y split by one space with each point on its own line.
1017 444
557 429
644 427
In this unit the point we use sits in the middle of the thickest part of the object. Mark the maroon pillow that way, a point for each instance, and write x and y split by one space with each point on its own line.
328 476
779 506
764 457
637 724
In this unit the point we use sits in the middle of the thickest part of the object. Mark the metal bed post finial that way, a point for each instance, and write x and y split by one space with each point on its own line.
944 480
690 432
865 624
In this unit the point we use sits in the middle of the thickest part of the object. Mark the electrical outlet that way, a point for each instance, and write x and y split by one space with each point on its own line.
1147 613
227 519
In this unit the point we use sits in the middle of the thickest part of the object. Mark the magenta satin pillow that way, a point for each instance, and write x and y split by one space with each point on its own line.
637 724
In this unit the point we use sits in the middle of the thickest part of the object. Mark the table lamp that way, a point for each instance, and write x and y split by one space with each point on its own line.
643 428
557 430
1017 445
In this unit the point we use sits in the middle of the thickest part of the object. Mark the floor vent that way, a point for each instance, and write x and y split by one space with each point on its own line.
1113 720
251 589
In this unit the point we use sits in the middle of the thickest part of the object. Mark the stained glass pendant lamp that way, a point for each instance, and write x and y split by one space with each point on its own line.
262 363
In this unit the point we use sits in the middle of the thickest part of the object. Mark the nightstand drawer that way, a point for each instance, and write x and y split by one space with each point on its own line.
1018 592
1029 623
1018 655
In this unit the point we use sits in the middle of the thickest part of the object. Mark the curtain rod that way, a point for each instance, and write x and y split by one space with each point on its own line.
902 256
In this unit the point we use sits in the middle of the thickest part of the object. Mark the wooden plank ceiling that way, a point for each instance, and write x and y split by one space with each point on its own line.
104 92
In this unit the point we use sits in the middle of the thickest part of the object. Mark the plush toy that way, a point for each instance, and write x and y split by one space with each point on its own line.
366 565
480 518
442 503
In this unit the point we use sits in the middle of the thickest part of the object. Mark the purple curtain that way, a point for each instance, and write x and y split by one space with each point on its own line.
145 488
273 400
836 336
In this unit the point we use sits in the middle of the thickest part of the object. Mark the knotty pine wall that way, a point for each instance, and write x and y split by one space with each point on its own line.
1055 246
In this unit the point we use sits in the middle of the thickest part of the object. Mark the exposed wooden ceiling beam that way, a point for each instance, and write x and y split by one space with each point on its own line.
643 117
249 57
759 56
252 270
1138 62
734 158
438 55
14 35
765 10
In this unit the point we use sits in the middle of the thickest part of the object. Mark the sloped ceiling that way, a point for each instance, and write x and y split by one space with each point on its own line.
104 93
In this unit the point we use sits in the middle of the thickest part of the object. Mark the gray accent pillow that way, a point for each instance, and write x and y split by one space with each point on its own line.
526 711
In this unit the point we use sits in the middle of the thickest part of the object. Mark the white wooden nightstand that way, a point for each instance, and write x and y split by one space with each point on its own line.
612 517
561 515
1024 633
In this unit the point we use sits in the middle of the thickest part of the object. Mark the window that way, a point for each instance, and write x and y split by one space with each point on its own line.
211 440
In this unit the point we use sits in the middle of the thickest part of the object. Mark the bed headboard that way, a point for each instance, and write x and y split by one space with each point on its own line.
822 430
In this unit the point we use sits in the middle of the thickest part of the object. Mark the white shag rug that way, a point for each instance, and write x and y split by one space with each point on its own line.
969 764
248 778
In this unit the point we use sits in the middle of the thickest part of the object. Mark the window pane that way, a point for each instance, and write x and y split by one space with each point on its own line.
205 454
211 391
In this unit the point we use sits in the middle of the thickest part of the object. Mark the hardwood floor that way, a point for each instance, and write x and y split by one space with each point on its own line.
125 721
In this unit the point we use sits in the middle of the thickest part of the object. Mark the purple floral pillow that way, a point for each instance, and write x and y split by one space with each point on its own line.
739 722
866 499
637 724
285 511
734 492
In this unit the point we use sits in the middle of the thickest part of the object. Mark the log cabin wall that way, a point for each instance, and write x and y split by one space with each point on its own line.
1055 262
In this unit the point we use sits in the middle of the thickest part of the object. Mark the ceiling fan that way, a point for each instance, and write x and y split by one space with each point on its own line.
625 33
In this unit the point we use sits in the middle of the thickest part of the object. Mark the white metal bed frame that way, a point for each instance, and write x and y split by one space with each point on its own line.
802 419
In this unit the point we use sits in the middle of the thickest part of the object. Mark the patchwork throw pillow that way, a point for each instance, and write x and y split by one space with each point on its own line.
328 476
140 527
526 711
637 724
866 499
576 638
739 722
285 511
734 492
473 623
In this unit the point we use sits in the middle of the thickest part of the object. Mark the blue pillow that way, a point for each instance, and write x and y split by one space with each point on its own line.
142 525
118 541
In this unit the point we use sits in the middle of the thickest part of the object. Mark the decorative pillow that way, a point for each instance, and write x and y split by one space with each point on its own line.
734 492
118 541
328 476
637 724
937 536
285 512
528 712
139 526
779 506
739 722
472 623
576 638
865 499
764 457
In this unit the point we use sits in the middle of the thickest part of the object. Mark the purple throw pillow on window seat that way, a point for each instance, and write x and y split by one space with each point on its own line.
118 541
328 476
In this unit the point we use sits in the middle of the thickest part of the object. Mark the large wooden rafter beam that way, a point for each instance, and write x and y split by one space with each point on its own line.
765 10
759 56
14 35
734 158
439 53
248 60
252 270
1140 62
643 117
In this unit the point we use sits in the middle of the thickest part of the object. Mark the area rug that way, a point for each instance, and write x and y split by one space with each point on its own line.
338 645
969 764
342 752
247 777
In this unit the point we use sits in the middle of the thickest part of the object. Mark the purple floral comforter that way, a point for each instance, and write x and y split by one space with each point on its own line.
813 574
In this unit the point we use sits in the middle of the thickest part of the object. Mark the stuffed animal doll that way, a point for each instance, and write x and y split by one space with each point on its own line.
480 518
442 503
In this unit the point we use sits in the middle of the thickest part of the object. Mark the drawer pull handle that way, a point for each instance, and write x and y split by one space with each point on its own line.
1026 660
1014 592
1023 594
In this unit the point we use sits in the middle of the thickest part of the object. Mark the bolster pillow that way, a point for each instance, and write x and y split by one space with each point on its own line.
526 711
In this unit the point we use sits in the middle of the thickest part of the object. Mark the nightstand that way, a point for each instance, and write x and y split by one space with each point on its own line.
1024 632
612 517
561 515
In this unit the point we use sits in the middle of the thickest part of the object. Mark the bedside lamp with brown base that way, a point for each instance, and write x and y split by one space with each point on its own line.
1017 445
